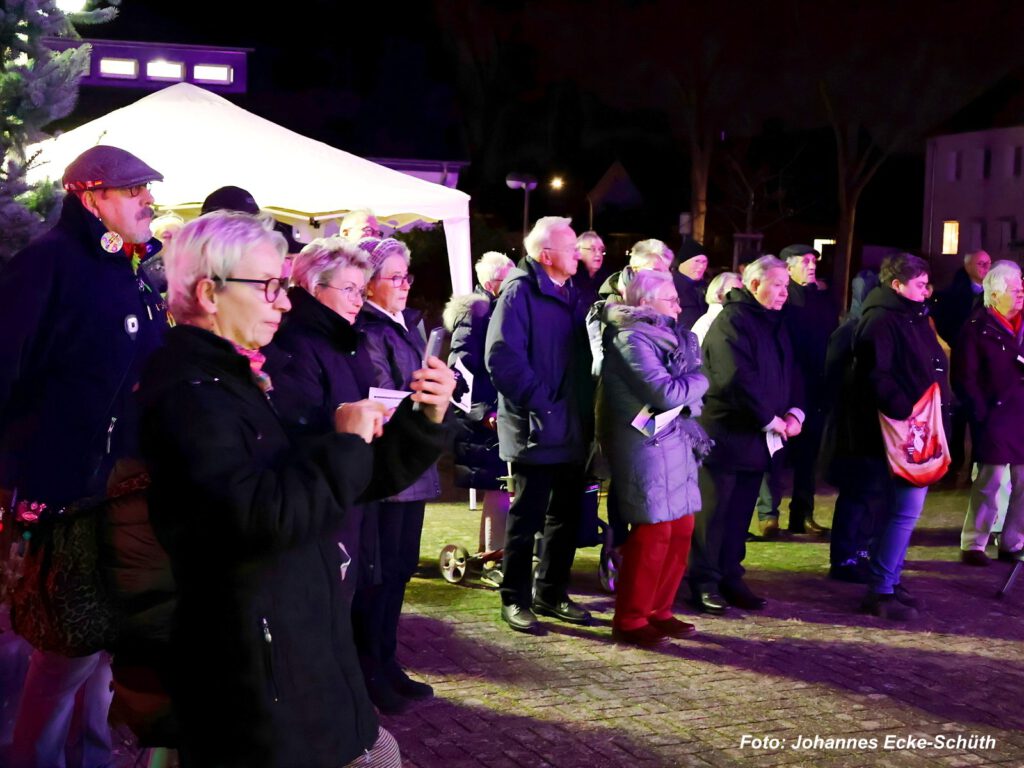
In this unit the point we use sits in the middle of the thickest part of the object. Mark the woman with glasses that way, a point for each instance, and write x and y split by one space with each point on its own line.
651 363
395 341
317 362
264 672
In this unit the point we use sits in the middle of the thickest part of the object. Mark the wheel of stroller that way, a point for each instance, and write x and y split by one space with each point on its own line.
608 570
453 562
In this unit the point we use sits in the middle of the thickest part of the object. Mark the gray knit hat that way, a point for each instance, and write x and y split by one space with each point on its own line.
380 249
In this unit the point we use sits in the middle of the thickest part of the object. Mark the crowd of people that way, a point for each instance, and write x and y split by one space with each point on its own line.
250 383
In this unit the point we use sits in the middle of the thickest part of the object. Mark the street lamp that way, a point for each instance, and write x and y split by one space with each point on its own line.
525 182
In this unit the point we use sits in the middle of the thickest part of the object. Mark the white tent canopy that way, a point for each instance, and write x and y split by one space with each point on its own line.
201 141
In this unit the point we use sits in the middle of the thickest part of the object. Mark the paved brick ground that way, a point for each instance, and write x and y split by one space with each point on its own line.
807 666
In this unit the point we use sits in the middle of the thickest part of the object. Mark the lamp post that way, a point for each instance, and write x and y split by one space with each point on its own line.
525 182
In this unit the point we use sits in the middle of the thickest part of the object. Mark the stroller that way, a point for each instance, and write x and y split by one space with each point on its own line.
456 563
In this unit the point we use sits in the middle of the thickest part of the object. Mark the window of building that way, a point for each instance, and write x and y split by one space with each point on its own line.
955 163
950 237
1007 232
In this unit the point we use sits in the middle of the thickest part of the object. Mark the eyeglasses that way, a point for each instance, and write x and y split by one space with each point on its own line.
570 249
137 190
674 300
369 231
350 291
272 286
398 280
598 251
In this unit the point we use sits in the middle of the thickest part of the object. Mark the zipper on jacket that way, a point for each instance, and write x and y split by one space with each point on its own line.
268 656
110 433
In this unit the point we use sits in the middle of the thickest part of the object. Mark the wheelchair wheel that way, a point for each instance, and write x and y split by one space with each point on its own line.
453 562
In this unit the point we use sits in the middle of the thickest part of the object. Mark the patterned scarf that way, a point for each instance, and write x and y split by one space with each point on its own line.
256 360
1013 326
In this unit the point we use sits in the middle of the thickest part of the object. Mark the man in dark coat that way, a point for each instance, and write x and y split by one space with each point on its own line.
988 377
750 410
950 309
534 344
688 276
78 321
809 317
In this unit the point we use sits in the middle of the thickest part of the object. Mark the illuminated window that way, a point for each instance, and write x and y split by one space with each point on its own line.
125 69
158 69
950 237
821 243
212 73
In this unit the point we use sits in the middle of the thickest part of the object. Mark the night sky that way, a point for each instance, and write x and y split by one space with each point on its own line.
572 87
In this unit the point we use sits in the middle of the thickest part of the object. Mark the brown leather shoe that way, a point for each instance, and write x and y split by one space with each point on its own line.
770 528
673 627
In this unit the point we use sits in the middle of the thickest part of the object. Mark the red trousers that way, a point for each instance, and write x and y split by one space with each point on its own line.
653 562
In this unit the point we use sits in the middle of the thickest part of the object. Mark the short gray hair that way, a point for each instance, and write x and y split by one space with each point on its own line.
588 235
489 265
643 286
646 253
716 291
757 269
317 262
540 235
998 277
211 247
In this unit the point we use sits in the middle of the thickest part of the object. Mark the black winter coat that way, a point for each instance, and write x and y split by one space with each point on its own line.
952 307
76 325
317 362
395 354
988 378
692 298
896 357
749 363
265 670
535 351
477 463
810 318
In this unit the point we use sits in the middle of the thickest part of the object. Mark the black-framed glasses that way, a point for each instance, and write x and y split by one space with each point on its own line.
272 286
350 291
136 190
371 231
398 280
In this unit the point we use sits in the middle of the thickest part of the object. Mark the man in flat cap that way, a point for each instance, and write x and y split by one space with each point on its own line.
79 319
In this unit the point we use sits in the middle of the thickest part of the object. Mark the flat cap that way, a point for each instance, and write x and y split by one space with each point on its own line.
230 199
798 250
105 167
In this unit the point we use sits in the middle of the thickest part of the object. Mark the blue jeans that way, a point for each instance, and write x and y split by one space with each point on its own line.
888 550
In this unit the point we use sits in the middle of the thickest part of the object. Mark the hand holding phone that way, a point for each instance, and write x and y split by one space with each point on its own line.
433 349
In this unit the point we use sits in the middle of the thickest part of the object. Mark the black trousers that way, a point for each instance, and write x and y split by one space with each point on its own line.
860 505
720 533
548 498
801 452
377 608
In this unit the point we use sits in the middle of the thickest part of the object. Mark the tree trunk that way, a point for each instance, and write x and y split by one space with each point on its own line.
844 250
700 169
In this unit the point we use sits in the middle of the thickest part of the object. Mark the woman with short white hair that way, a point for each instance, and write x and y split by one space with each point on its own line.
720 285
651 364
650 254
263 669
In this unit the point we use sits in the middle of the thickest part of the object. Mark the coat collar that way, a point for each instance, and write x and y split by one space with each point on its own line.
86 228
307 312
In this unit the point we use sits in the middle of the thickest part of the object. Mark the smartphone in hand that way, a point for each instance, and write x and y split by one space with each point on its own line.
433 349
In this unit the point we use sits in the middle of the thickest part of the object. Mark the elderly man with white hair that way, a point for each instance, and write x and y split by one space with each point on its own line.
534 354
988 376
749 411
